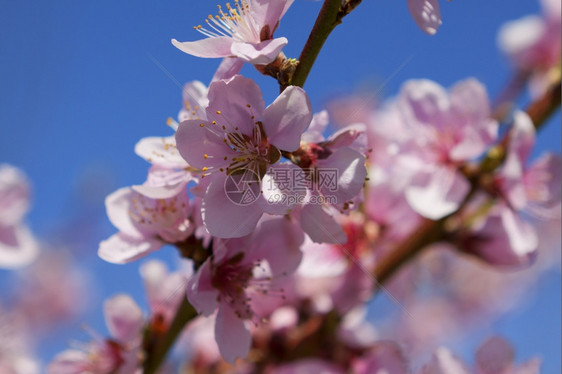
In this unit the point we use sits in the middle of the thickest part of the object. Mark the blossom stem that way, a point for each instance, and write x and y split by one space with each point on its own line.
330 15
157 345
433 231
155 358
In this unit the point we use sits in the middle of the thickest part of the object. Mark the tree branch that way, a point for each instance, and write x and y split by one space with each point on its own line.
330 15
157 355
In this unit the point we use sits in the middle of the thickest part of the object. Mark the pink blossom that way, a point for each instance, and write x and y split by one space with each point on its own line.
336 276
234 148
243 33
340 157
169 173
533 43
119 355
426 13
238 275
144 224
505 238
164 290
198 341
449 128
17 245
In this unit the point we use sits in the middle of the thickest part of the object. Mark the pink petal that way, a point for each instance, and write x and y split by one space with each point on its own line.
261 53
314 133
469 98
427 14
505 240
351 174
160 151
425 106
225 219
519 40
18 247
321 226
440 194
120 248
476 138
228 68
163 183
286 237
195 97
123 318
200 291
522 236
195 141
286 119
352 136
236 103
495 356
267 12
164 290
207 47
232 335
118 205
279 193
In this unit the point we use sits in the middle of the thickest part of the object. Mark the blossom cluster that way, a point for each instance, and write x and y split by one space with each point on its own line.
285 214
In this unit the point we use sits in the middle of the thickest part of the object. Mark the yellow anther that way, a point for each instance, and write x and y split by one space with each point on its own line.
218 112
205 168
202 125
205 156
169 121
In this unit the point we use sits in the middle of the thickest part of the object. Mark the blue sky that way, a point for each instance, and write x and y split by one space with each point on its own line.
82 81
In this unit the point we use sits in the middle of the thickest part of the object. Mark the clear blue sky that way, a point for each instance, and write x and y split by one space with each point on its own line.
82 81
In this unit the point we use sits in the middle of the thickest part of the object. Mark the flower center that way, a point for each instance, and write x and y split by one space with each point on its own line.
237 281
237 23
253 153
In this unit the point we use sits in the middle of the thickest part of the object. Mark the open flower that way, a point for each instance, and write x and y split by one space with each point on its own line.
238 275
450 128
144 224
533 44
504 237
334 172
236 145
243 33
